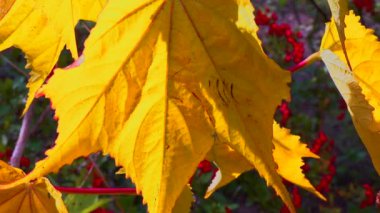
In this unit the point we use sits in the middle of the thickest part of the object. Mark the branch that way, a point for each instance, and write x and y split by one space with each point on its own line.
98 171
319 10
22 138
86 27
99 191
295 10
40 119
87 176
14 66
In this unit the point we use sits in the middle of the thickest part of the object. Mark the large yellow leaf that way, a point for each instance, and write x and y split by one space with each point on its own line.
36 196
360 86
41 29
161 81
288 154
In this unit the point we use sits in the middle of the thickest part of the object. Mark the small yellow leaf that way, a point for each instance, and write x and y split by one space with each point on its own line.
41 29
360 86
288 154
27 197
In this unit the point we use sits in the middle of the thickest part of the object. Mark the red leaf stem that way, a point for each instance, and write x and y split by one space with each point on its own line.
307 61
102 191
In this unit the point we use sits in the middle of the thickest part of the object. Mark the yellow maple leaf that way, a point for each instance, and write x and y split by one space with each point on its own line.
159 85
360 86
36 196
41 29
288 154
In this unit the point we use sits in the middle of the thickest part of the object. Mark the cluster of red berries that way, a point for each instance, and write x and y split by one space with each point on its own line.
319 142
325 182
367 5
369 199
6 156
285 112
296 198
294 49
323 143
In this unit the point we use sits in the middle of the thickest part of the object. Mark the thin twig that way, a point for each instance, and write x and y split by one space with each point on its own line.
86 27
87 176
320 11
14 66
295 10
22 138
40 119
99 172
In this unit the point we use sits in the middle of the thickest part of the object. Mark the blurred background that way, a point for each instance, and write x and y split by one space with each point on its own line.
290 31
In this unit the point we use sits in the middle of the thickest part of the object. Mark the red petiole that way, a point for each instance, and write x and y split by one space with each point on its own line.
100 191
307 61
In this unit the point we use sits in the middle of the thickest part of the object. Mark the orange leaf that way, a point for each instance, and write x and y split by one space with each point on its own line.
27 197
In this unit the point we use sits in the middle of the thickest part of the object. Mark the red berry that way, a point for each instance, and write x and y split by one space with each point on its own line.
97 181
205 166
284 209
228 210
25 162
297 199
8 153
369 199
367 5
